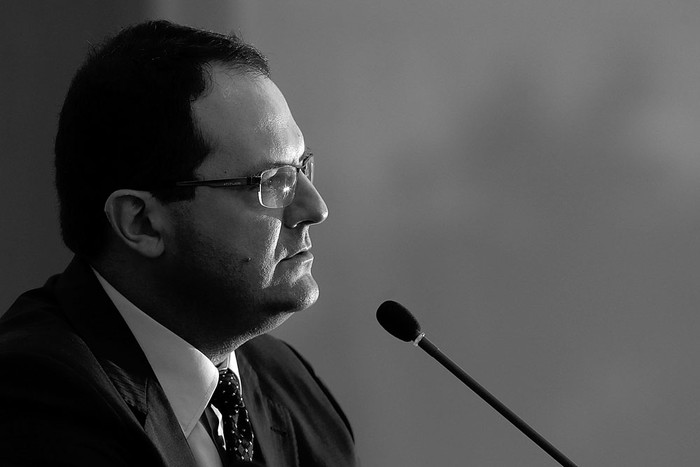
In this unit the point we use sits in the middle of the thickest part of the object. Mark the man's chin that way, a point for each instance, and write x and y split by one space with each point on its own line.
300 297
298 288
304 301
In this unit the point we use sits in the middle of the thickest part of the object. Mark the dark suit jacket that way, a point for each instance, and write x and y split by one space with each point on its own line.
76 389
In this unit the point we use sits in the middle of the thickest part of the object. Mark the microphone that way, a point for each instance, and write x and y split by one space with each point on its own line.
400 323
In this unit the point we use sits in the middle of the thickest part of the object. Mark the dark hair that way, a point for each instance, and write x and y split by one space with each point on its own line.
127 120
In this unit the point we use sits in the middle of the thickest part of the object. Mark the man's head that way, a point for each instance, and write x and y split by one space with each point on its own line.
220 265
127 120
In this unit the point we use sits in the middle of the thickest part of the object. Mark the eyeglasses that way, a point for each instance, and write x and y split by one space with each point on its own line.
276 186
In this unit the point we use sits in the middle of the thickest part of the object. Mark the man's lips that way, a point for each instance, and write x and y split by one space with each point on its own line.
303 255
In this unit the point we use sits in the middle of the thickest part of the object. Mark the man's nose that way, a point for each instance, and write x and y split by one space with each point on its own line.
308 206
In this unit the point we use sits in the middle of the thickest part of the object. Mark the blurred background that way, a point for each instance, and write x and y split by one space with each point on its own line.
524 175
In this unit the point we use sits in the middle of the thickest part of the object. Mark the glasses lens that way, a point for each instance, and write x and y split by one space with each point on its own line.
277 187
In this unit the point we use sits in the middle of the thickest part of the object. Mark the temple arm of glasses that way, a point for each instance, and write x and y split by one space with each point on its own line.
224 182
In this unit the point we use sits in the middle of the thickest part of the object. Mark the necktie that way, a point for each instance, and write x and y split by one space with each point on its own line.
238 433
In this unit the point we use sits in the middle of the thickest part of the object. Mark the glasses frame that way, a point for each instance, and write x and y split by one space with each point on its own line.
306 167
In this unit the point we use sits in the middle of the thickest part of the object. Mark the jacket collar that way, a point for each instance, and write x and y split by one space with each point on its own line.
100 325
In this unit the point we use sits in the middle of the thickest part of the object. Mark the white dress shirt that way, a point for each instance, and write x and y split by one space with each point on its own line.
187 376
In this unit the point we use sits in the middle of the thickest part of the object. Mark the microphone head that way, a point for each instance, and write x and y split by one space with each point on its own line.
398 321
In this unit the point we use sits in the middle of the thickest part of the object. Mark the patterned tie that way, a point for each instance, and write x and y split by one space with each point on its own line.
238 433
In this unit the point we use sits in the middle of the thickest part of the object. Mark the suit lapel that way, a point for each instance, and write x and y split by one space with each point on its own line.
98 322
272 422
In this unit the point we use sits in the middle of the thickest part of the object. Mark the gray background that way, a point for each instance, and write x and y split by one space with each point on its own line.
522 174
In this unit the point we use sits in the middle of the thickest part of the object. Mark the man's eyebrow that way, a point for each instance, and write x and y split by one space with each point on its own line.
305 155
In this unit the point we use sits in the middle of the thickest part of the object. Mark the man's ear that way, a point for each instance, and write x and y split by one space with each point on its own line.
137 219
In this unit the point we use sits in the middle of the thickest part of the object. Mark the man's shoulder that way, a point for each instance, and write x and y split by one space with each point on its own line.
55 383
35 335
41 324
34 324
281 370
274 372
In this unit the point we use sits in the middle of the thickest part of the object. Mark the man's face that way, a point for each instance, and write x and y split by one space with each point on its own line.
245 266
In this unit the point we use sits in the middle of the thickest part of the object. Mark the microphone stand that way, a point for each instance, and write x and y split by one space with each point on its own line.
425 344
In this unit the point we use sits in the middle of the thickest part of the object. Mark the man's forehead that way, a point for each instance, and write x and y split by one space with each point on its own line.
246 120
246 99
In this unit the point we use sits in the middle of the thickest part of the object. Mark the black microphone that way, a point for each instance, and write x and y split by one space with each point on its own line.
400 323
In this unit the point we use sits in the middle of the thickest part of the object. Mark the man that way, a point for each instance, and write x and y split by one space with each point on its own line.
186 195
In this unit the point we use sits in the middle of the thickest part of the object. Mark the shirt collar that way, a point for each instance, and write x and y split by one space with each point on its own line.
187 376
